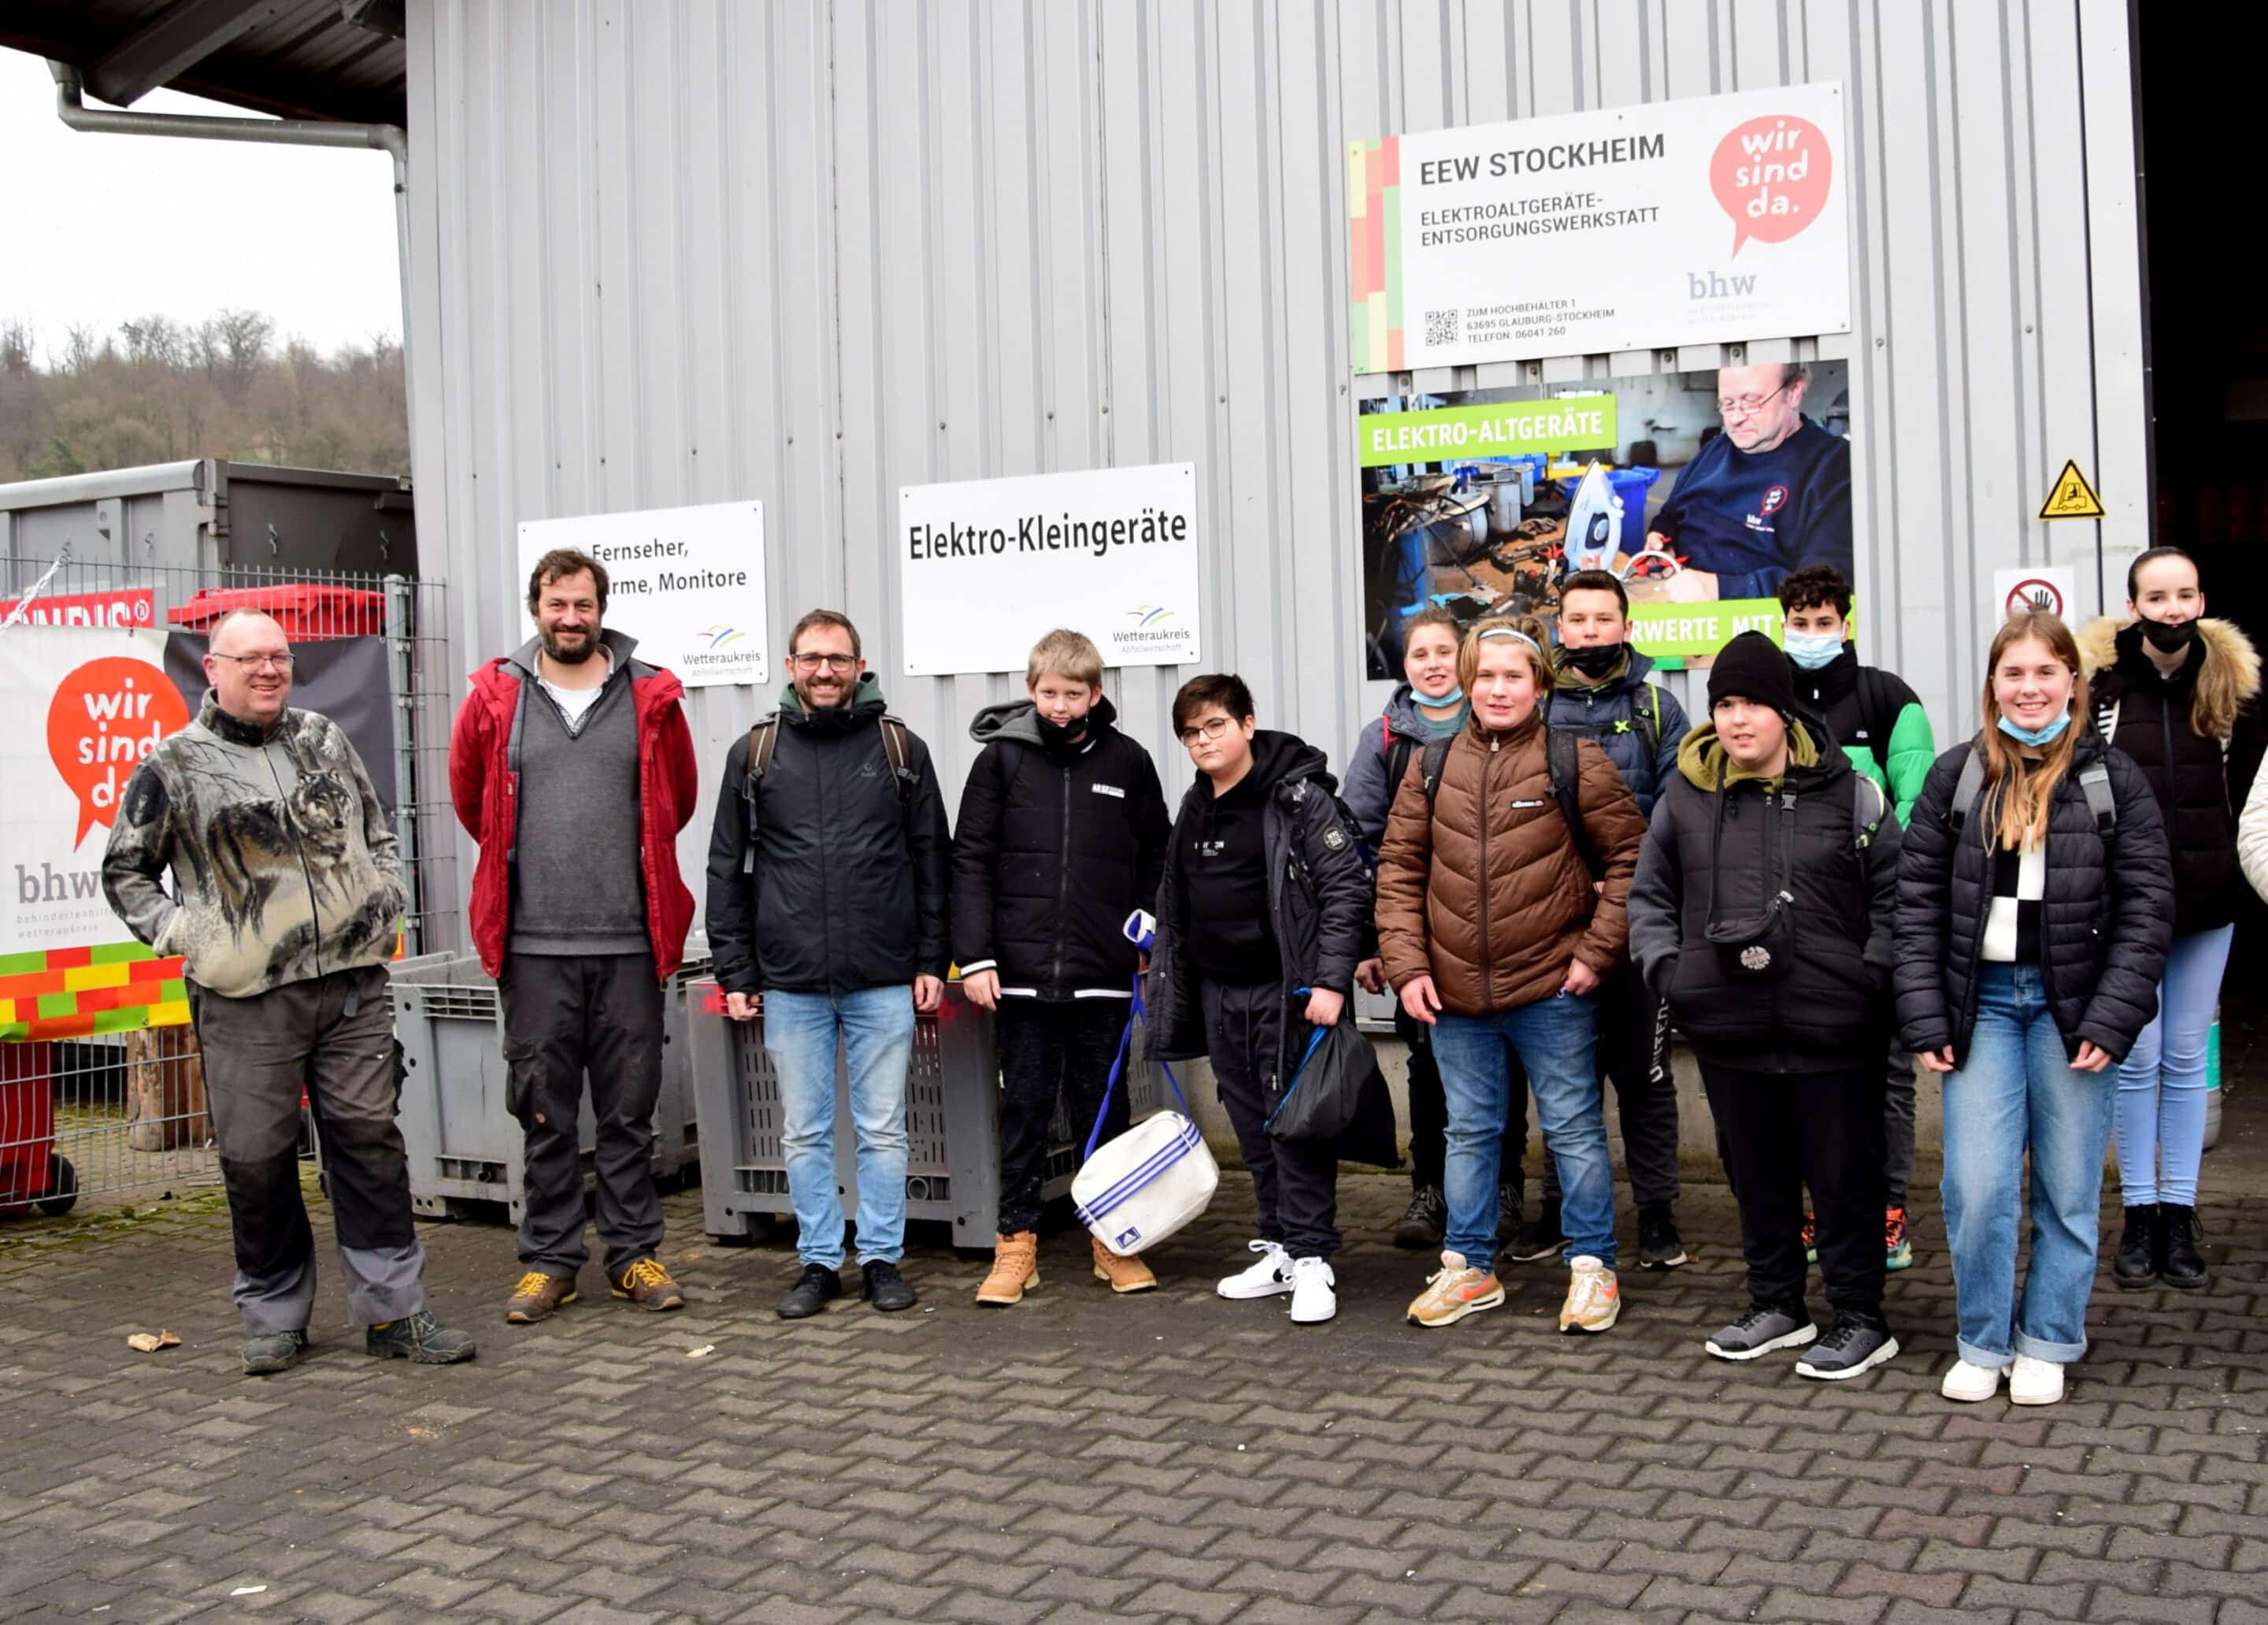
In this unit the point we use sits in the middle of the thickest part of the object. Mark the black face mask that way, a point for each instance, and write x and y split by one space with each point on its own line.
1597 660
1056 735
2169 640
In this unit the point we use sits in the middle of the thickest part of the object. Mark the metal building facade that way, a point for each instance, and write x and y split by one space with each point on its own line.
669 252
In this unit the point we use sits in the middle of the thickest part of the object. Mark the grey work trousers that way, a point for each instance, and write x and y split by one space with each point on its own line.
331 1037
565 1018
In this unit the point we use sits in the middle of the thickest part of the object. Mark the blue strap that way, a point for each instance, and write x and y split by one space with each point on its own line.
1138 1013
1314 1042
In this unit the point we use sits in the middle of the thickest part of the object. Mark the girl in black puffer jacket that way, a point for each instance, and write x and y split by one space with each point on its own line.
2177 693
2035 905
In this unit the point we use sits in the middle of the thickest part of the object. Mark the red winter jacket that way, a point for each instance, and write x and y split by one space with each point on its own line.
483 784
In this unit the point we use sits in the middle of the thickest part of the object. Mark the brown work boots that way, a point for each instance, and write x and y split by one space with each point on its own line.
1016 1270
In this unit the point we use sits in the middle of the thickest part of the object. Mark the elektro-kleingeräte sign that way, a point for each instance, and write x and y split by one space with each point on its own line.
1708 221
1500 429
988 567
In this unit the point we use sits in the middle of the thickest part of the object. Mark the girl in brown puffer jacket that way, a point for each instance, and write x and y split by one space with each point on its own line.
1497 920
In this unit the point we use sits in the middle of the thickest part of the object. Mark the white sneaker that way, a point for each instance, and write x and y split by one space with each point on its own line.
1269 1277
1313 1299
2035 1382
1968 1383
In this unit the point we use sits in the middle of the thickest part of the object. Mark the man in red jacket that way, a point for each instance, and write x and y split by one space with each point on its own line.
573 766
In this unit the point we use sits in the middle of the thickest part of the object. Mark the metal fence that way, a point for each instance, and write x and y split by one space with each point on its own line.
124 1111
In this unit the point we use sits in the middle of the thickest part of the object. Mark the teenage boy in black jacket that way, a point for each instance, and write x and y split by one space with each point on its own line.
1062 835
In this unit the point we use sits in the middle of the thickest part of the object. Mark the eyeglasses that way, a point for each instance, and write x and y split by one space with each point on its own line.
1746 405
832 662
261 662
1212 727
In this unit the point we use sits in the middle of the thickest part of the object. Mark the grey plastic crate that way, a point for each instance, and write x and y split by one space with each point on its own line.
464 1147
953 1151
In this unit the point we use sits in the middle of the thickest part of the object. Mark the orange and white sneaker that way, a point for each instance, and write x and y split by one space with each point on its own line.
1453 1292
1593 1300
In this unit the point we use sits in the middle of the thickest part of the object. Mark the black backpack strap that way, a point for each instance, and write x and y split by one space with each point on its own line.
1966 789
1868 806
901 755
1648 721
2095 784
1563 757
764 739
1399 749
1437 754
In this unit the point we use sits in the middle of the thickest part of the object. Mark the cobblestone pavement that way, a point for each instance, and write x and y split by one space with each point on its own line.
1172 1457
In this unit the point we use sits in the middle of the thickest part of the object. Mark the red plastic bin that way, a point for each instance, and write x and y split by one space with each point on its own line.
308 611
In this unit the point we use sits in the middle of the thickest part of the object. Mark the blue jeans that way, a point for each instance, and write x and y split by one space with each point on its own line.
2016 1090
2161 1083
1556 1040
877 1028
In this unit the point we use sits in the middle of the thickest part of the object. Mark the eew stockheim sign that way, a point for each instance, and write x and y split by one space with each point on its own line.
988 567
1708 221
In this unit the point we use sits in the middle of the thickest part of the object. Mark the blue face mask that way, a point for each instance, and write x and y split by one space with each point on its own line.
1812 650
2035 736
1455 696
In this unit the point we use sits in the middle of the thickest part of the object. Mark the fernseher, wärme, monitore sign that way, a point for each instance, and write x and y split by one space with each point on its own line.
988 567
686 583
1709 221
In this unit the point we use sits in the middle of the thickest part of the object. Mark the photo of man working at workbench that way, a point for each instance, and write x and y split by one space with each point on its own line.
1699 491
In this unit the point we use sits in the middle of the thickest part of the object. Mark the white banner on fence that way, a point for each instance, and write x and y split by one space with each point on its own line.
988 567
1643 227
79 708
686 583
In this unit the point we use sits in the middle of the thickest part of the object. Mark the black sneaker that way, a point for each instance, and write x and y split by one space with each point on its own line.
1849 1348
1659 1245
2178 1263
887 1289
1544 1239
810 1293
272 1352
419 1338
1422 1224
1760 1332
2135 1265
1509 1201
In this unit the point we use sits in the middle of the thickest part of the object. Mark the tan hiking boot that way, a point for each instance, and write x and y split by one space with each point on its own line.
1127 1275
537 1296
1015 1270
648 1285
1453 1292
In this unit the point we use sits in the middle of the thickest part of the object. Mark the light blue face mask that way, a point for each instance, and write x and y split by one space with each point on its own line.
1812 650
1455 696
2035 736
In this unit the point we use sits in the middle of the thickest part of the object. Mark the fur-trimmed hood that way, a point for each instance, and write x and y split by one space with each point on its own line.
2228 675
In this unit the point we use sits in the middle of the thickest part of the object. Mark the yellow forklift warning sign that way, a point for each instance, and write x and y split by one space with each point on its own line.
2071 497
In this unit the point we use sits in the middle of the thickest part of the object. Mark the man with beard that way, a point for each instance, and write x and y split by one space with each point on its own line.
573 765
829 865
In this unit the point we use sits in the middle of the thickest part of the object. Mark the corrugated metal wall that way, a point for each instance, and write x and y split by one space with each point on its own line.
681 251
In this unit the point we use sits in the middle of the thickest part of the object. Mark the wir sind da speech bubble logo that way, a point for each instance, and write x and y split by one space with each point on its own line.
1771 175
107 715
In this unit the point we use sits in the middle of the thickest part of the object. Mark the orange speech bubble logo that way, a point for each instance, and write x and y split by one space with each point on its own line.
107 715
1772 174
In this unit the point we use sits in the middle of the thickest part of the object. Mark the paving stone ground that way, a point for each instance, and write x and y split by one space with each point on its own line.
1171 1457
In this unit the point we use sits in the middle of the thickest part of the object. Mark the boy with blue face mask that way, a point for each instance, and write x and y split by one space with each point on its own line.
1884 731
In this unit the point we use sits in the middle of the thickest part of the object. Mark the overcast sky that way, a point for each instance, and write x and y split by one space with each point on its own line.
101 228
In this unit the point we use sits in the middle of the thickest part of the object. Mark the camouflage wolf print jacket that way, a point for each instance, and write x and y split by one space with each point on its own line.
284 861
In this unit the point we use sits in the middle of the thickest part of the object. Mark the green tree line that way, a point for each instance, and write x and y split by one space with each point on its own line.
158 390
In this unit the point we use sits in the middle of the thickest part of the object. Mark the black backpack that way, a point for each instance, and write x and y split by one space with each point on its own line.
2093 783
763 740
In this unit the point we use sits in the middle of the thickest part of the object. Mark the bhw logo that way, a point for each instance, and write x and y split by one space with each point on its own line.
1710 285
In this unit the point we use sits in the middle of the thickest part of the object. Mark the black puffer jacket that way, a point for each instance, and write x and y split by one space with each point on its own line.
2107 914
2200 783
1053 847
850 880
1718 840
1320 890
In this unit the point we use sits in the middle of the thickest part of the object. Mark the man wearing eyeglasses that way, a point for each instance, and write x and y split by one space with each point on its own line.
573 766
1768 496
828 867
287 891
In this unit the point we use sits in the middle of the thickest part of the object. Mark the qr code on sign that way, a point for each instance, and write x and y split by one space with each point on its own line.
1440 328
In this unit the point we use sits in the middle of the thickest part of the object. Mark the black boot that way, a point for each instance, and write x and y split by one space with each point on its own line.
1420 1226
2135 1265
2178 1263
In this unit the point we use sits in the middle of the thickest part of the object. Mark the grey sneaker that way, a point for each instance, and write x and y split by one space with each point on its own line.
419 1338
273 1352
1759 1332
1849 1348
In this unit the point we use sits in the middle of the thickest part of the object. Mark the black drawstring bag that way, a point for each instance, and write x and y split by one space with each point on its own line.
1336 1096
